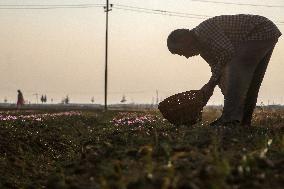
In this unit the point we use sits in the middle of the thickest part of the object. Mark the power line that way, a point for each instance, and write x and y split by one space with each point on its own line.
74 6
47 5
127 8
159 13
46 8
167 13
241 4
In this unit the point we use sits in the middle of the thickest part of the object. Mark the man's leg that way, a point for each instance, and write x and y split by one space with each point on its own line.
252 93
239 75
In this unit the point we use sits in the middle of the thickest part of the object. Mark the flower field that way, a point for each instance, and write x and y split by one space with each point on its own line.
138 149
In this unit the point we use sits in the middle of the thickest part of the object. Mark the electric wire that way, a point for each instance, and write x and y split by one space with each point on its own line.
161 11
46 5
158 13
126 8
34 6
166 13
240 4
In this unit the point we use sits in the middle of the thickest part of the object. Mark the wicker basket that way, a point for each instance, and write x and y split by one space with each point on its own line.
183 108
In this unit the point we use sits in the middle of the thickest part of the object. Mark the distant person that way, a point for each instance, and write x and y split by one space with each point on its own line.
42 99
45 99
238 49
20 101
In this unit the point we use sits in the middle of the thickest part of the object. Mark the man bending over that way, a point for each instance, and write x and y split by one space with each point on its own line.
238 49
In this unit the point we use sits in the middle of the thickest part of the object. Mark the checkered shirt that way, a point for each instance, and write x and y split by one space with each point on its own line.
220 36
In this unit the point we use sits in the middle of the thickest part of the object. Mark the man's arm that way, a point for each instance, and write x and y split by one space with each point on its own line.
216 45
216 71
217 50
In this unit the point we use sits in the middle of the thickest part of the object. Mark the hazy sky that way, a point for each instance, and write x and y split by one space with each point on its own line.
60 52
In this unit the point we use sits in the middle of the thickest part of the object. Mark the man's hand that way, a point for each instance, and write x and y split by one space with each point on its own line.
208 90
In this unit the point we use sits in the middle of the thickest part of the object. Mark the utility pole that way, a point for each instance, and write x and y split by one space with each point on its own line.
157 97
107 9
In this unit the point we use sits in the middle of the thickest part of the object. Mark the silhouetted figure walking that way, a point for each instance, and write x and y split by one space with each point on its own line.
45 99
20 101
42 99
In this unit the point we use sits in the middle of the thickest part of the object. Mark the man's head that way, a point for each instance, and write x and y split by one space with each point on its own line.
183 43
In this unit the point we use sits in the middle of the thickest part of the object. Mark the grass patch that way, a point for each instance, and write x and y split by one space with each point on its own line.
126 150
